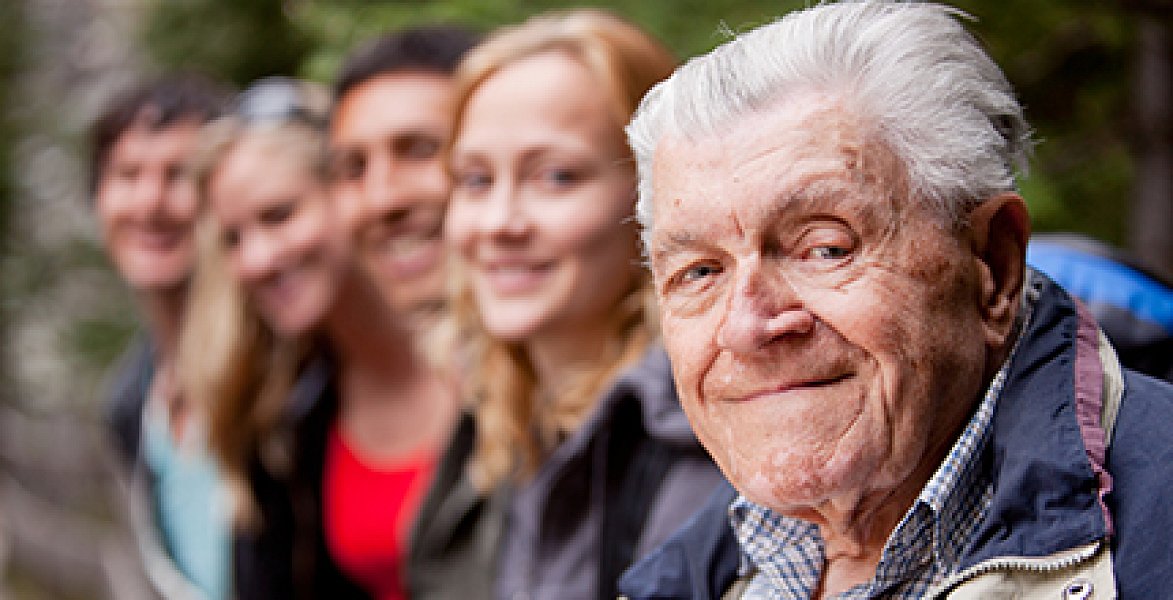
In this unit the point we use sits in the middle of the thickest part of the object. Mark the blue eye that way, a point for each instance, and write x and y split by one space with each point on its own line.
830 252
560 177
473 181
698 272
826 244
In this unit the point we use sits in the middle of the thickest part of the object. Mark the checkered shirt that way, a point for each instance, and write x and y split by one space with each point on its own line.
785 555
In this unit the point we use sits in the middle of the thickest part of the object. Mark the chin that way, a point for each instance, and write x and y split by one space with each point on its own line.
787 482
774 487
291 326
157 282
422 296
509 328
509 333
292 320
509 319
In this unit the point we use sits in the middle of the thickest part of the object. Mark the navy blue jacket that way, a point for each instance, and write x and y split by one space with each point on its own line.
1055 488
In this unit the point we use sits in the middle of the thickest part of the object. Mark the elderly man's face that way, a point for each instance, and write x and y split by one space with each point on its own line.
824 328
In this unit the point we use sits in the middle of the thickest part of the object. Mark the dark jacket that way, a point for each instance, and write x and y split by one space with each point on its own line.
453 539
618 486
129 384
286 555
458 531
1064 511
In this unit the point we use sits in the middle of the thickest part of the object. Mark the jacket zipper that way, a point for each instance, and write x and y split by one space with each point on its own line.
1018 563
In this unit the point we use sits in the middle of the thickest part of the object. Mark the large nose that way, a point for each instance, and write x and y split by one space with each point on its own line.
763 309
257 257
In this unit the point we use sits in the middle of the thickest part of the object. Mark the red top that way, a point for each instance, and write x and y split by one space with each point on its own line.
369 510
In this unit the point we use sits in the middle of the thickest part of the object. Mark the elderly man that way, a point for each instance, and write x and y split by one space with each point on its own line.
904 409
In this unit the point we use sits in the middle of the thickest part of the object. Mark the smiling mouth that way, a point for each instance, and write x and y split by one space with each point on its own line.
278 291
158 238
406 248
515 278
408 256
789 388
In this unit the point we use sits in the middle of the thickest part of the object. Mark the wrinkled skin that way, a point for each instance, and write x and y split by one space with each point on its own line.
829 334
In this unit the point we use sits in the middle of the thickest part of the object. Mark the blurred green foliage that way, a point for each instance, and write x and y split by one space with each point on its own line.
99 341
11 57
1070 62
1071 65
239 40
12 32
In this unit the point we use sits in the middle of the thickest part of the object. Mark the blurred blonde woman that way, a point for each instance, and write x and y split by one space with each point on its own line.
576 412
327 421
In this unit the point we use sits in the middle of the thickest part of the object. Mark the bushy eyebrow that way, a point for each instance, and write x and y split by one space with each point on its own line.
671 243
821 197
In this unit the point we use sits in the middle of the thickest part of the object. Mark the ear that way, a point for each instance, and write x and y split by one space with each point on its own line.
999 230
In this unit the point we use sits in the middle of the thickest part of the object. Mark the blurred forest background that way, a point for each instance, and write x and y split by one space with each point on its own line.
1095 76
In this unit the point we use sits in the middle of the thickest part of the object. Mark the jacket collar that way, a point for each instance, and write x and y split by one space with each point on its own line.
1042 449
1045 455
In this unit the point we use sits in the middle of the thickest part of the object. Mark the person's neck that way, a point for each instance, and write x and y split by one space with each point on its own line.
163 311
391 400
364 332
856 529
559 359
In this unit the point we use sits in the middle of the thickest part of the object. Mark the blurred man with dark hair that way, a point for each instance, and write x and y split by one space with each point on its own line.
435 49
391 121
145 204
392 118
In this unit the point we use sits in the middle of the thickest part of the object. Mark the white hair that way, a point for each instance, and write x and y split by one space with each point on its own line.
909 70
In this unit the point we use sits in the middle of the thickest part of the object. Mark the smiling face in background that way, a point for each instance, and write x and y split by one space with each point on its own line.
282 240
544 190
388 134
146 205
824 328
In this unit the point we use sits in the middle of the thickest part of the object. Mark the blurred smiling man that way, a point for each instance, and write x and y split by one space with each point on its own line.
391 121
903 408
145 202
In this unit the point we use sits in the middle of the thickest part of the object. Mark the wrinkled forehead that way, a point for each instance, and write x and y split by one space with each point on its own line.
807 153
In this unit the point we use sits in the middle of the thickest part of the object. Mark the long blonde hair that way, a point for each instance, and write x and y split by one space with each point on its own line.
231 365
515 428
